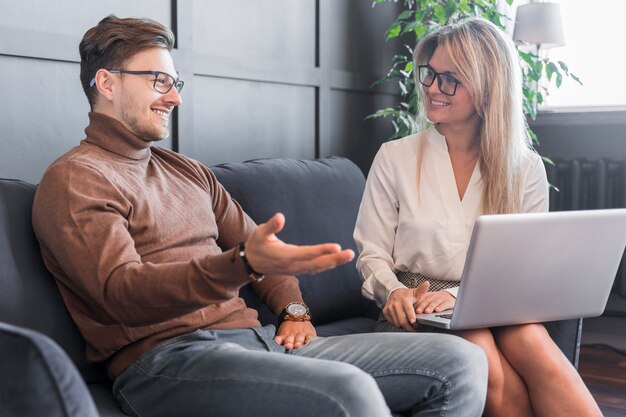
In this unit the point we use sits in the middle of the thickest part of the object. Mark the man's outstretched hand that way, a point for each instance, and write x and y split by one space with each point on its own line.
271 256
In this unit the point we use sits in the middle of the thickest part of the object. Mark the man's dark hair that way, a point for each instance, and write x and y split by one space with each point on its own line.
114 41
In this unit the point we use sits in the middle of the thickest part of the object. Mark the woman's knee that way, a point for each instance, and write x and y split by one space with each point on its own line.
530 346
525 339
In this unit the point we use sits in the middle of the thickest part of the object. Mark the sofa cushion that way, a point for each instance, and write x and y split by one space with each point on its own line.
102 394
39 379
28 294
346 326
320 200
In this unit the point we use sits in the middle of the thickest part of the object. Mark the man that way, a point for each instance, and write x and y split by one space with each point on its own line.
149 253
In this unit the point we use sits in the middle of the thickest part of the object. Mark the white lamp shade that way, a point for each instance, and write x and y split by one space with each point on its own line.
539 23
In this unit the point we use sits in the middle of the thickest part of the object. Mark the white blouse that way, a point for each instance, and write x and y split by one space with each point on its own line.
397 232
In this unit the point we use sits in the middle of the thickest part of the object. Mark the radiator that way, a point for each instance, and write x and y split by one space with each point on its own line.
586 185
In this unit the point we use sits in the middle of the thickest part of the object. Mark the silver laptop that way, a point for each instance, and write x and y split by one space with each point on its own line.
535 267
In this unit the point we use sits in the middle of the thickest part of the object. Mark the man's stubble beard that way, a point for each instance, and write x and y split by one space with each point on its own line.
148 133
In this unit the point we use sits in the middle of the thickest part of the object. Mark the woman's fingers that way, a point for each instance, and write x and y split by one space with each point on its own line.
434 302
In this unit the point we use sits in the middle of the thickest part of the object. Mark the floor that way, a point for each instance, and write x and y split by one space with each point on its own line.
604 373
603 362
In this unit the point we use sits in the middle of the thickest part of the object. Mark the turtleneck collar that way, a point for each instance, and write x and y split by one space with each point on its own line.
110 134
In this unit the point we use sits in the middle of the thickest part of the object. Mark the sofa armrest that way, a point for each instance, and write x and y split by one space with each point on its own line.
37 378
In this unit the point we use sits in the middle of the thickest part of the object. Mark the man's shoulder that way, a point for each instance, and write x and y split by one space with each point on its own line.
80 158
183 163
167 153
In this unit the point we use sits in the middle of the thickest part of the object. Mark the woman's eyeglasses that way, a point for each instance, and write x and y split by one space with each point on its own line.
447 83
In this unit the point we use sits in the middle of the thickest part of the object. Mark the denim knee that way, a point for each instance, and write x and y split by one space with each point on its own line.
470 361
355 391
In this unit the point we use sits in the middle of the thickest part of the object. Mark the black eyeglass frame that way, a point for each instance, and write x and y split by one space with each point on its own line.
178 84
437 75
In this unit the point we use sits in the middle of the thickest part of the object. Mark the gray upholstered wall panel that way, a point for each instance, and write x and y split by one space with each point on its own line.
357 32
273 30
42 114
74 17
352 136
236 120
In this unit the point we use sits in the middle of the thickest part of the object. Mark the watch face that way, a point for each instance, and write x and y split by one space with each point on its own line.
297 309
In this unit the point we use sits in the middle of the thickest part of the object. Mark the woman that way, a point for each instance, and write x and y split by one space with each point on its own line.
424 193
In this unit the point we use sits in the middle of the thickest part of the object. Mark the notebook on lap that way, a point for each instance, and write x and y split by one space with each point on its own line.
536 267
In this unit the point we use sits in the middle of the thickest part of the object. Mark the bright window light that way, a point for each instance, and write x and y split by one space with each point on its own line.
594 51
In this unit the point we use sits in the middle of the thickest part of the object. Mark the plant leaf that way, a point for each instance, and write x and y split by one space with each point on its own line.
559 79
393 31
405 15
550 70
403 88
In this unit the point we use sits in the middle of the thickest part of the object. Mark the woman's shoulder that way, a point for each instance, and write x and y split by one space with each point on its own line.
531 159
403 145
532 165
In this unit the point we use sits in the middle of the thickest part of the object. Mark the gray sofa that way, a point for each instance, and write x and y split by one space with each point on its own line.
42 366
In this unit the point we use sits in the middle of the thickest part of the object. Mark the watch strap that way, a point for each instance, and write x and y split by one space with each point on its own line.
252 274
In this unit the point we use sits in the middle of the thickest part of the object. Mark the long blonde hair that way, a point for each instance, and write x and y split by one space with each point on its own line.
487 64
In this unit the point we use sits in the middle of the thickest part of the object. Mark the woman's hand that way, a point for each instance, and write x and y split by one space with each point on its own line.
434 302
399 309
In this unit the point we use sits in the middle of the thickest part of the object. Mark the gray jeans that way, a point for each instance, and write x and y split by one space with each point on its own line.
243 372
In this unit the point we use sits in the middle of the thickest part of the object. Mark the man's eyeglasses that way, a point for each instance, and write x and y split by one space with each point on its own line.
163 82
447 83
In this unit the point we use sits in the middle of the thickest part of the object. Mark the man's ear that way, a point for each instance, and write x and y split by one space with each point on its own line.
104 83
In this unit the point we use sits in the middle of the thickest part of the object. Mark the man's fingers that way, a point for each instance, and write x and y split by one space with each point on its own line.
306 252
288 342
322 263
299 341
269 255
274 225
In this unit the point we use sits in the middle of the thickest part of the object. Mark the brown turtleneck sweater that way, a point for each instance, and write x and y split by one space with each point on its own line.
139 240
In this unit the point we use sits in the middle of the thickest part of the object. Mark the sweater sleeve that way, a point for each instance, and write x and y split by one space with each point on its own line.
80 219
